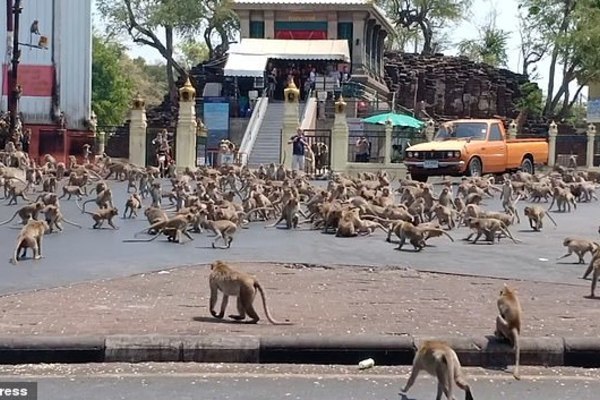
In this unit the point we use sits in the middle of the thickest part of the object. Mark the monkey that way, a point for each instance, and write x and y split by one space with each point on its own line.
173 228
446 215
593 266
508 323
154 215
416 235
30 237
578 246
536 214
236 283
104 214
26 213
49 184
102 200
489 227
445 198
72 190
438 359
289 213
473 198
563 198
132 204
54 217
223 229
14 192
33 29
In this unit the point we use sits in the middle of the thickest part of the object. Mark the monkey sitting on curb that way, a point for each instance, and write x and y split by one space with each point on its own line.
230 282
438 359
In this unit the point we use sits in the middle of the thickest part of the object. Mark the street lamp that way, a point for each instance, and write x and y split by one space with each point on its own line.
13 19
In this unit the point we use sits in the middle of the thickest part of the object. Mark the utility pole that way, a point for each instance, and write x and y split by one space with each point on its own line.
13 14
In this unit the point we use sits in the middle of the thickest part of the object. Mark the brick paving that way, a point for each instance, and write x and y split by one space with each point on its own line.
318 300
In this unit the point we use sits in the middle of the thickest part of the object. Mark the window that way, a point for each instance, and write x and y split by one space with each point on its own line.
495 133
257 29
346 31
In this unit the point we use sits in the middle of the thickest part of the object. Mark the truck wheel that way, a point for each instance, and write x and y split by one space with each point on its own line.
475 168
419 177
527 166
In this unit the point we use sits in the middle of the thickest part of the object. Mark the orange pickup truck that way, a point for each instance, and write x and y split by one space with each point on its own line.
473 147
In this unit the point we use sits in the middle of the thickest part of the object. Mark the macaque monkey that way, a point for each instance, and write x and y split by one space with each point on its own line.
72 190
536 217
563 198
14 192
26 213
173 228
155 215
594 266
438 359
30 237
132 204
104 214
223 229
508 323
54 217
417 236
102 200
49 184
489 227
289 214
230 282
578 246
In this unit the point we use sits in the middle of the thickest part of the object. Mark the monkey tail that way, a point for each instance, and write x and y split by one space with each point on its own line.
264 301
8 220
82 207
551 219
71 223
15 258
517 346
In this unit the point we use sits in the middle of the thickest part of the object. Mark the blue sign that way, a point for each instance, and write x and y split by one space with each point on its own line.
216 120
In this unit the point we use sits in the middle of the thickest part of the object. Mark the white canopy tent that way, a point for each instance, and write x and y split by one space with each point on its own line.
249 57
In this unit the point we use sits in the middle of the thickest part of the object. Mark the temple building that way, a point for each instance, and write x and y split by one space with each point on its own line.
329 36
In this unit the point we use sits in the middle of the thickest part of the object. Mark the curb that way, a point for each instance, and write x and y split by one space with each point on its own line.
304 349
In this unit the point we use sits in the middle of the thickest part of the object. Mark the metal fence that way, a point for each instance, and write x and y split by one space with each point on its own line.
319 141
116 140
376 139
568 146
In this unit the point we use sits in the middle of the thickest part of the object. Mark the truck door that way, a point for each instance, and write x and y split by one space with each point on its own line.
494 150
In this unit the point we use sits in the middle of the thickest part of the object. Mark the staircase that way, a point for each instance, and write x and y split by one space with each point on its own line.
268 141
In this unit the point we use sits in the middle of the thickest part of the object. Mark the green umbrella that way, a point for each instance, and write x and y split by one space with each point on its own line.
395 119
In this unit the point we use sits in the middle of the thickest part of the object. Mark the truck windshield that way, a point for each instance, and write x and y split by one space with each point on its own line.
462 130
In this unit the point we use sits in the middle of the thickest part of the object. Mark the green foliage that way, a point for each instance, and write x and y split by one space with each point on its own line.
427 18
490 47
192 53
571 32
532 100
111 85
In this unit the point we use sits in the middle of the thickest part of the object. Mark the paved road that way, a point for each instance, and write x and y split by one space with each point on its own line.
303 382
85 254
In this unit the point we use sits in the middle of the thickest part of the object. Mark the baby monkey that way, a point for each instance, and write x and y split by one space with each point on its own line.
438 359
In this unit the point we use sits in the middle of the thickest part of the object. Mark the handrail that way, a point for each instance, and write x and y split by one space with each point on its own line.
256 120
308 97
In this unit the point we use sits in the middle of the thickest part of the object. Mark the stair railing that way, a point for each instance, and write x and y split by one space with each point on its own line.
254 124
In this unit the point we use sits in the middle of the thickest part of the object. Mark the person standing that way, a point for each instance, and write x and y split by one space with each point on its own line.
362 150
298 143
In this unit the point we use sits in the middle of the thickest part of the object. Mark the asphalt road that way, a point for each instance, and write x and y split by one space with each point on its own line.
198 381
84 254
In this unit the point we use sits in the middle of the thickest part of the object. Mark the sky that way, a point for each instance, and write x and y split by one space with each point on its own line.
506 19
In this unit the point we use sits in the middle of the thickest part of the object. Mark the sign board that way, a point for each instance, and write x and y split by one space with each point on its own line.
593 110
216 120
35 80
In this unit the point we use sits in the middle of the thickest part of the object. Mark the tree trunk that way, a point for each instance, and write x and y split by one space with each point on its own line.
207 34
427 37
170 66
551 74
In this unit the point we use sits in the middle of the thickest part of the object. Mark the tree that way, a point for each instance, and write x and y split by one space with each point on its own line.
570 28
222 21
156 23
192 53
490 47
530 103
111 86
534 46
425 16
